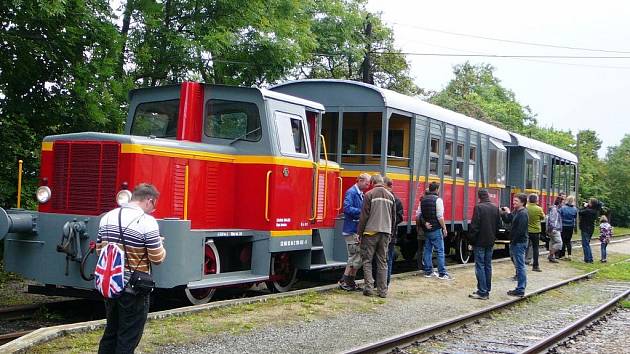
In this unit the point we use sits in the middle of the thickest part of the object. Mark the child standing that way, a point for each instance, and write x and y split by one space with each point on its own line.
605 234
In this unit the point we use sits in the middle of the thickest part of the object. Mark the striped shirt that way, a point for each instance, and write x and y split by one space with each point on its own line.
141 233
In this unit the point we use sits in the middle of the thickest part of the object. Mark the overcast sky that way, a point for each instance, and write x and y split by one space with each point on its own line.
564 93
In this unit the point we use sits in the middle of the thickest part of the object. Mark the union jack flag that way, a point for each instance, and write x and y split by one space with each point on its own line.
109 272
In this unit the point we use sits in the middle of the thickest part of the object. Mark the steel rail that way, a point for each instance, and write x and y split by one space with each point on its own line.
6 338
575 326
420 334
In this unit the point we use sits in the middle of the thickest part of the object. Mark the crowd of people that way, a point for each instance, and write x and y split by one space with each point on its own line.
371 219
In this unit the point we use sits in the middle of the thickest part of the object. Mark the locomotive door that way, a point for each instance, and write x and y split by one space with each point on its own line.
293 197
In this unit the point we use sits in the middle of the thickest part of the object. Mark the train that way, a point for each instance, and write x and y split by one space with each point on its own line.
252 181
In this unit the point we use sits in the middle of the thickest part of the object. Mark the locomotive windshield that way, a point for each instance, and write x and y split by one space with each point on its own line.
156 118
232 120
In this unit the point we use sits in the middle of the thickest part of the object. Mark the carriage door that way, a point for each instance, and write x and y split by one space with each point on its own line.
295 193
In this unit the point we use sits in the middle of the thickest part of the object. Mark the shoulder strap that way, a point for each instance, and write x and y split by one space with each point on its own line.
122 240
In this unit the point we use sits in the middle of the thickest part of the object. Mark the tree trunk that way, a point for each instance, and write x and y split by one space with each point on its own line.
367 63
124 33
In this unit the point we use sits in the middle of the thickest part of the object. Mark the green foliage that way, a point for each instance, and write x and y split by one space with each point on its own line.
593 171
477 93
349 40
56 76
618 182
66 65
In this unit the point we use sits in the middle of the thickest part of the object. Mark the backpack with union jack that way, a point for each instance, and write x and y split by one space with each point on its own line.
110 270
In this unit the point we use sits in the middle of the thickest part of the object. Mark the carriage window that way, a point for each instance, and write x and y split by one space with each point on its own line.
532 166
291 134
497 164
435 146
460 151
232 120
447 167
448 149
156 118
472 157
394 143
544 175
459 166
433 165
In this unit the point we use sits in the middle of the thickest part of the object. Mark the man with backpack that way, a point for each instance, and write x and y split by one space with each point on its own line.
130 238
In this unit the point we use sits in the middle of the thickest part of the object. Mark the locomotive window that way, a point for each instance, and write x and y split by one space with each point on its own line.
232 120
492 166
544 175
291 134
156 118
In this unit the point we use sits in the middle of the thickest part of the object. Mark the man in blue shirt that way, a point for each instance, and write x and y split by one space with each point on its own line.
352 204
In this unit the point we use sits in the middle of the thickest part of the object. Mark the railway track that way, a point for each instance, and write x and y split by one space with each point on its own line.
510 327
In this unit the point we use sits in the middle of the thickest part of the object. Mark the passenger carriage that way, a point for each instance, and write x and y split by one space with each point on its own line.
426 143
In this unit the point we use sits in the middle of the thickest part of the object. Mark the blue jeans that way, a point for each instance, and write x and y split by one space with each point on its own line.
586 246
433 239
604 254
390 260
483 269
517 252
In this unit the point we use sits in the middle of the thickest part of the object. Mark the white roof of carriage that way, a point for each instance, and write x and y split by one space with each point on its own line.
292 99
536 145
415 105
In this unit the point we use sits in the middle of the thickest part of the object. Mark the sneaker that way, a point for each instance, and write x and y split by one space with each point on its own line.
537 269
429 275
348 287
515 293
382 295
368 292
445 277
476 295
553 260
604 260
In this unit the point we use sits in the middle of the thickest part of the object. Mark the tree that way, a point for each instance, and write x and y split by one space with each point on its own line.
618 182
56 76
217 41
354 44
592 169
477 93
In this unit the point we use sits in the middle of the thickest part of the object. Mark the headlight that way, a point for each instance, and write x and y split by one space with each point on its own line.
123 197
43 194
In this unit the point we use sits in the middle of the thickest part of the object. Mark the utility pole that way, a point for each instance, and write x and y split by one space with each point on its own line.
367 61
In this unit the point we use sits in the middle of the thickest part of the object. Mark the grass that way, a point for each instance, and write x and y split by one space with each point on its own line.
617 230
237 319
615 269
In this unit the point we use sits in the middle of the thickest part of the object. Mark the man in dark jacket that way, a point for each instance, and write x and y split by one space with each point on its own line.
518 240
430 216
389 184
484 226
588 215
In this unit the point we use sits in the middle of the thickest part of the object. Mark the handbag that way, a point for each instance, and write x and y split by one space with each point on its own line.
140 283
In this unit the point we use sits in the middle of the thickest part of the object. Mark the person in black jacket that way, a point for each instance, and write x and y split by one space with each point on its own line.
389 184
518 240
484 226
588 215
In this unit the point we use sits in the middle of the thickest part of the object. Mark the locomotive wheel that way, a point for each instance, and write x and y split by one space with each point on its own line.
212 265
462 254
283 273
